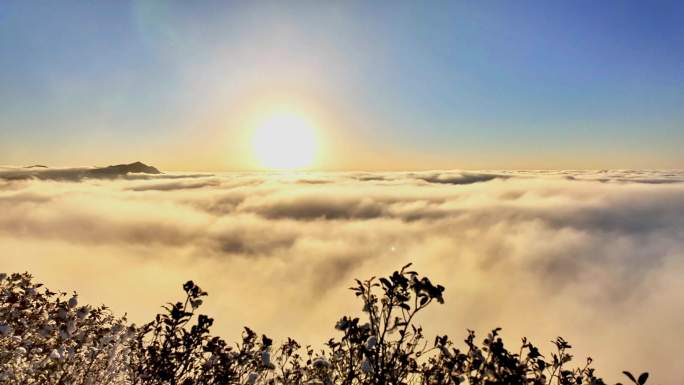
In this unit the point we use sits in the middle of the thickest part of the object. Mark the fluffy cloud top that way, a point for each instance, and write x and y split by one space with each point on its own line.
597 257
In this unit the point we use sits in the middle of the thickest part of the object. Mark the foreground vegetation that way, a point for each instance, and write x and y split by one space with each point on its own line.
49 338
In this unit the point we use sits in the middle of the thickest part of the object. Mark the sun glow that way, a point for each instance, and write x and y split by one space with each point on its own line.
285 141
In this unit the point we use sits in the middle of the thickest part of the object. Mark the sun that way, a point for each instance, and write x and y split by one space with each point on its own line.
285 141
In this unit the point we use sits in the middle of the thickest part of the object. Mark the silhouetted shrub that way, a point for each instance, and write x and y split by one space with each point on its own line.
48 339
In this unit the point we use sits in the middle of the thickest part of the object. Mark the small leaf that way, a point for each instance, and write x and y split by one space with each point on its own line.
630 376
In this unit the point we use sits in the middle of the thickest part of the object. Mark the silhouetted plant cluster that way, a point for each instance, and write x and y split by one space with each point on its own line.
47 338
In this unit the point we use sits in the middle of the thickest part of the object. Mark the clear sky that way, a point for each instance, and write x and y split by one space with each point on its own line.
385 84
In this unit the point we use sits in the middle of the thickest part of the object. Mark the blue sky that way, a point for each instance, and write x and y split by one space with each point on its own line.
394 85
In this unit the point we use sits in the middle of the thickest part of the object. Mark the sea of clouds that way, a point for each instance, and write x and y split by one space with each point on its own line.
594 256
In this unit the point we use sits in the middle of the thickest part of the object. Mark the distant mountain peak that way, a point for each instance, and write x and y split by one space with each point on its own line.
122 169
39 171
139 167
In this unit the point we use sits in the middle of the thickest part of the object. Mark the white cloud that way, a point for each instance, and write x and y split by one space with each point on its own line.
594 256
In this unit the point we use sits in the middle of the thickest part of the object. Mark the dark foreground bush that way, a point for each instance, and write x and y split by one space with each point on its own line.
47 338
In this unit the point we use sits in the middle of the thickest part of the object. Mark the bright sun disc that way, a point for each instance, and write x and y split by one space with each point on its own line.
285 141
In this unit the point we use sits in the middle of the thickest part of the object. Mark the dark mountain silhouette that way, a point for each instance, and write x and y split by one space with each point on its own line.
123 169
77 174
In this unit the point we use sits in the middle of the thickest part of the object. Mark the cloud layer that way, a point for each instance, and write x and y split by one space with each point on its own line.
597 257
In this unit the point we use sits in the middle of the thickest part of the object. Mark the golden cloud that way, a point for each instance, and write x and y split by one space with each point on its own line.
594 256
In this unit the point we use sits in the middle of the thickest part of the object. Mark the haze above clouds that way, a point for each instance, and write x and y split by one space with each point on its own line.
596 257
